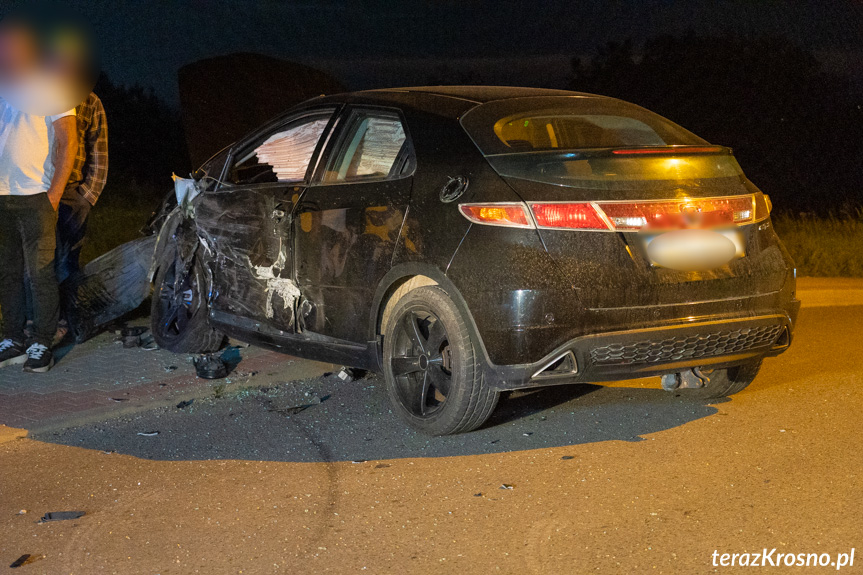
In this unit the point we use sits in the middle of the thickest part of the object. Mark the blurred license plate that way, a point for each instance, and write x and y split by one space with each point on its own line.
733 235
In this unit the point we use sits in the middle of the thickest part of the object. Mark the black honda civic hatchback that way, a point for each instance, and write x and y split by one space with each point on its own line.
465 241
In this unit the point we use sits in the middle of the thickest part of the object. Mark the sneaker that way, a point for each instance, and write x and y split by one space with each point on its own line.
11 353
39 358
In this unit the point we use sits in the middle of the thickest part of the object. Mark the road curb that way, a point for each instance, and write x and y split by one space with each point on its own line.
830 298
830 292
11 433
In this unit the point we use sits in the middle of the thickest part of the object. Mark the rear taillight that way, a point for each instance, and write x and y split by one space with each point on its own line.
568 215
513 215
683 213
625 216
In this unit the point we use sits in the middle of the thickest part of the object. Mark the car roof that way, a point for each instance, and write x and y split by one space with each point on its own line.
476 94
445 101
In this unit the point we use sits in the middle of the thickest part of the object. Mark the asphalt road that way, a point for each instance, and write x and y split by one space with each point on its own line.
623 478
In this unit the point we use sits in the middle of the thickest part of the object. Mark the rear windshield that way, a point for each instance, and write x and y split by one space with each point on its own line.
567 123
564 140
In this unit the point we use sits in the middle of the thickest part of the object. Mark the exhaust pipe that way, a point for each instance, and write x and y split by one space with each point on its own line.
689 379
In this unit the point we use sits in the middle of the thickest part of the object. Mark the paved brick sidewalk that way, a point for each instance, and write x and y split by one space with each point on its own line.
100 378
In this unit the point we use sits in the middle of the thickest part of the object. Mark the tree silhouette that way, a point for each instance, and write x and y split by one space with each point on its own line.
146 141
795 129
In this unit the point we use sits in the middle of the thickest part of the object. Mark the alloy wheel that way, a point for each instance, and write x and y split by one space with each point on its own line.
422 362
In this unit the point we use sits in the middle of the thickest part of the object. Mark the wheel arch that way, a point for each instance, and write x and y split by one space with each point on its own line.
412 276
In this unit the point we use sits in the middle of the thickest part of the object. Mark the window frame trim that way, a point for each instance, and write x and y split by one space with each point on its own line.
274 127
341 133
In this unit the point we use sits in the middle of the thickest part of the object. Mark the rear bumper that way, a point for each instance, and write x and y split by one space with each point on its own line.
651 351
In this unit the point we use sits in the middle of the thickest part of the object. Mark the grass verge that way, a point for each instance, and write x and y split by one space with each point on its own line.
823 247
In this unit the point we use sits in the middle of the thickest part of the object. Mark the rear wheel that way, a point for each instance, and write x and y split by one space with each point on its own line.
178 317
430 367
724 382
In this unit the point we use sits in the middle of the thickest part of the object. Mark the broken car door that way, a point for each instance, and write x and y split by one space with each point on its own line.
245 222
348 222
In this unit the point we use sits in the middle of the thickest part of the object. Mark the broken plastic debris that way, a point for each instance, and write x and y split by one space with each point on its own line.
62 515
22 512
170 368
148 342
25 559
185 404
210 366
294 409
506 486
131 336
567 457
349 374
186 190
148 433
231 356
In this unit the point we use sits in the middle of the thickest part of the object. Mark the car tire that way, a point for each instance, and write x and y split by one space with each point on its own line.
178 312
725 382
429 360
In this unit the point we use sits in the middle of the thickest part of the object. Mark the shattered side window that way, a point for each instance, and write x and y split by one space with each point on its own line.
375 147
280 156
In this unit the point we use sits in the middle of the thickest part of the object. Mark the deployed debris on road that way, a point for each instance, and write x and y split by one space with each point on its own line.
131 336
294 409
148 433
210 366
349 374
25 559
62 516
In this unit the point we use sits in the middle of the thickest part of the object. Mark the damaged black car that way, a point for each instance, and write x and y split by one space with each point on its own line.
465 241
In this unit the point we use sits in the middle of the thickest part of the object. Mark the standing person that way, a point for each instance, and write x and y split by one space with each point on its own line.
82 192
37 153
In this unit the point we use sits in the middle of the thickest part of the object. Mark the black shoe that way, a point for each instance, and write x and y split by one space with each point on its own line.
11 353
39 358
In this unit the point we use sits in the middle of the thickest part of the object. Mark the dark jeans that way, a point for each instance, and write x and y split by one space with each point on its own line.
27 242
71 228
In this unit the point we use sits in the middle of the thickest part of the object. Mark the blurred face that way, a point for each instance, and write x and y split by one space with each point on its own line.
19 53
46 64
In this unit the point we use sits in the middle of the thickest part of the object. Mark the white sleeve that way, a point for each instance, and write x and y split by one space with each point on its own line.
56 117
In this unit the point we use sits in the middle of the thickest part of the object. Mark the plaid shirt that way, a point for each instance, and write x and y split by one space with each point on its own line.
91 163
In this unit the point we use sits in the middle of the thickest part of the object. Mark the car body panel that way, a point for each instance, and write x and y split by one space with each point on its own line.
527 295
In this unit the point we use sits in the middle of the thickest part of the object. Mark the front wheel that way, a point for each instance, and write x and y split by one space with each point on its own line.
178 314
432 377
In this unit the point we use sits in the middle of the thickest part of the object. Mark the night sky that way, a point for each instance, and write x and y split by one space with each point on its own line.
375 44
